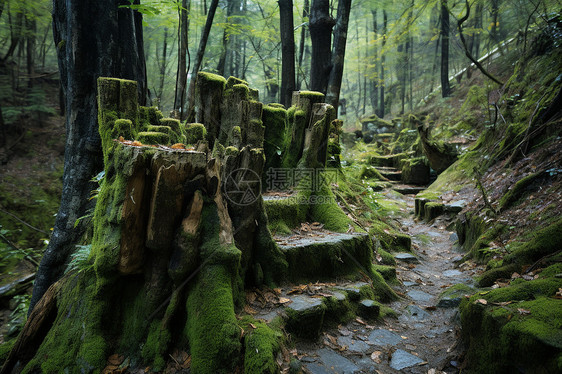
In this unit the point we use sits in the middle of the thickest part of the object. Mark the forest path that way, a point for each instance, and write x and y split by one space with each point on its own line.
424 336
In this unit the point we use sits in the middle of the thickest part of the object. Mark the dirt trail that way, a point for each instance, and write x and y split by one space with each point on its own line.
423 338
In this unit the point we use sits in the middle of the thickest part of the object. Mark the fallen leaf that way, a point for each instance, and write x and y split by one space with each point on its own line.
359 320
523 311
376 357
481 301
115 359
284 300
515 276
253 326
250 310
558 294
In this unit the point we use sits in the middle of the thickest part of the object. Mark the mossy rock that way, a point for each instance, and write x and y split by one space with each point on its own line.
338 309
325 258
305 317
452 296
415 171
517 190
524 334
173 124
389 238
388 272
432 210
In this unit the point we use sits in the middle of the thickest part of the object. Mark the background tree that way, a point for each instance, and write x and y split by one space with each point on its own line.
288 51
445 87
115 49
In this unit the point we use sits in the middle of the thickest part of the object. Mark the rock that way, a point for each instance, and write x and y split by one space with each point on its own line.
451 297
306 316
369 309
455 207
419 296
452 273
353 345
337 363
353 290
417 313
384 337
454 237
407 257
402 359
410 284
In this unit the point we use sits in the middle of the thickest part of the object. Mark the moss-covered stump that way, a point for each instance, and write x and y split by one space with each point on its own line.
515 329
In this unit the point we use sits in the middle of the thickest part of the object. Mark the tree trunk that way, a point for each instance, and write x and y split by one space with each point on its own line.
305 14
338 53
375 83
383 60
163 66
183 40
287 51
320 25
31 31
115 49
445 87
199 59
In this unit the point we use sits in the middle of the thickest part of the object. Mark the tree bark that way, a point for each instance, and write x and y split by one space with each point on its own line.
163 64
114 49
445 87
321 25
375 84
383 60
199 59
287 51
302 44
183 40
338 53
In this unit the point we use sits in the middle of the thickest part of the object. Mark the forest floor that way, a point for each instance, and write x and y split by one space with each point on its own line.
421 336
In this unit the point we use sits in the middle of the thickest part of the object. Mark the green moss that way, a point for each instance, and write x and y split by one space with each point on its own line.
541 243
432 210
551 271
306 323
5 349
338 310
261 346
205 78
314 95
325 209
160 129
75 342
369 172
525 334
378 290
275 123
153 138
387 258
153 350
517 190
195 132
488 278
388 272
233 81
476 98
389 238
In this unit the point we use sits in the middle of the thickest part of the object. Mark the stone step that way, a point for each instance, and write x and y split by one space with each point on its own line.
390 173
308 314
408 190
321 254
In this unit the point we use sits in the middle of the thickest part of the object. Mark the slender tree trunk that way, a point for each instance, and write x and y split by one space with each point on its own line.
163 64
338 53
199 58
411 57
114 49
401 74
302 48
287 50
383 61
15 35
445 87
31 32
375 84
321 25
183 40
